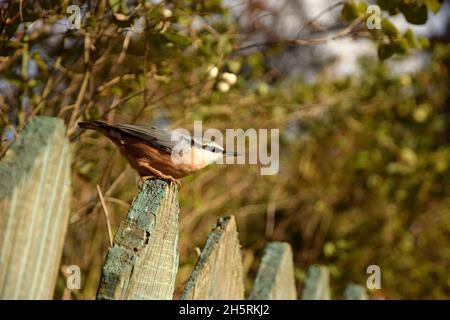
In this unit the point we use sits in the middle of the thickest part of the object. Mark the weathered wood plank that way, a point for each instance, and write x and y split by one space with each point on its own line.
355 292
275 278
218 273
35 206
143 262
317 284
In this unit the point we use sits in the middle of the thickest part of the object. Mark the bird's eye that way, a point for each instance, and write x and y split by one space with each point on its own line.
213 149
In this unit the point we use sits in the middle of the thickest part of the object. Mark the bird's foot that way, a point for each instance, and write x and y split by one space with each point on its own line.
172 180
176 182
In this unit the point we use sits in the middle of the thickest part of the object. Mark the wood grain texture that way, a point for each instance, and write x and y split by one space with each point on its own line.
218 273
34 209
143 262
355 292
317 284
275 278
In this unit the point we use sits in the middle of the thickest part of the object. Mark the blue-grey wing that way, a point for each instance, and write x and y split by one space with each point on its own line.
161 138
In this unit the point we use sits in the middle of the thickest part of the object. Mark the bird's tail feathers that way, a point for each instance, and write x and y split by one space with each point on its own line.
93 125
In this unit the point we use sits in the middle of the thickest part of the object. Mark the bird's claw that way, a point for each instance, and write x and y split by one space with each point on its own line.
176 182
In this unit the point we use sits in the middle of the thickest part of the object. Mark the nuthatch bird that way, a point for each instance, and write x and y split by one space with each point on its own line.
149 150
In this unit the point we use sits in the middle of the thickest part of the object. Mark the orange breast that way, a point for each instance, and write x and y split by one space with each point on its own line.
142 156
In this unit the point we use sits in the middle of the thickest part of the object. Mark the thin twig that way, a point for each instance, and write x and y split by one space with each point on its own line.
118 201
305 42
81 94
270 212
105 211
319 15
92 205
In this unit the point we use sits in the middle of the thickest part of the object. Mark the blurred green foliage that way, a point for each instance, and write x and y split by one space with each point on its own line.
389 39
364 174
375 169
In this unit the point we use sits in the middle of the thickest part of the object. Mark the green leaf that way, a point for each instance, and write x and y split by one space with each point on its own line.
123 6
434 5
24 65
118 5
234 66
389 5
400 46
376 34
415 14
40 62
329 249
361 7
385 51
206 50
179 39
411 38
115 5
350 11
389 28
424 42
12 44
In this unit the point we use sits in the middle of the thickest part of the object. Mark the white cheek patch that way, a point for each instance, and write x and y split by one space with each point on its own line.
204 157
194 156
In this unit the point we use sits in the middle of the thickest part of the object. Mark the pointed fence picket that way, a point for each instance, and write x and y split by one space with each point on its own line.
34 209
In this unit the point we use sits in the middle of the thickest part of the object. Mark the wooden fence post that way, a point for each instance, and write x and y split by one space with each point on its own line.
35 206
355 292
218 272
143 262
275 279
317 284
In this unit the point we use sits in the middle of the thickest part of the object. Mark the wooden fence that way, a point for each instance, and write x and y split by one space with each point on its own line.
34 210
143 261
